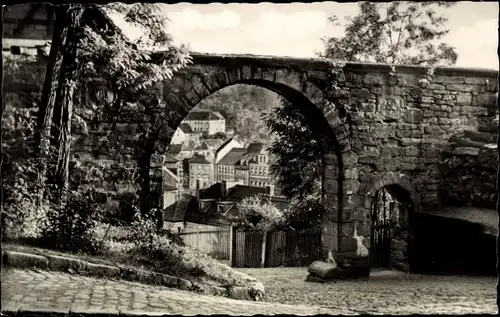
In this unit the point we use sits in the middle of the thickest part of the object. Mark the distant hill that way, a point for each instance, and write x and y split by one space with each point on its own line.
243 107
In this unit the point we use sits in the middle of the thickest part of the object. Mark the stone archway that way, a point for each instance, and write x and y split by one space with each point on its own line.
189 87
402 202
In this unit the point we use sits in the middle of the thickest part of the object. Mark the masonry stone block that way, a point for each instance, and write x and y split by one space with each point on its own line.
330 158
361 94
485 99
413 116
346 229
376 78
341 131
246 72
234 75
256 72
268 74
351 173
211 82
290 78
350 186
461 87
331 186
454 80
464 99
348 244
192 97
311 90
331 171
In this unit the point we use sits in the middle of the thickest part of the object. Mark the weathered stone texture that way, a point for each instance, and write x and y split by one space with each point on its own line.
383 123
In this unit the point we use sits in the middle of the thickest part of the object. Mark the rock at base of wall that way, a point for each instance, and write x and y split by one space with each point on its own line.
358 266
314 278
322 272
322 269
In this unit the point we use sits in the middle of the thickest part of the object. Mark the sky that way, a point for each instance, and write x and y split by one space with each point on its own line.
296 29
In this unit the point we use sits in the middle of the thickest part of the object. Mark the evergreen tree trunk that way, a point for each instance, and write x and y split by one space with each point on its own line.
67 18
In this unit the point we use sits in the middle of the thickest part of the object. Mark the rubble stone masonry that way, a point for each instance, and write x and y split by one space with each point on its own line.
385 126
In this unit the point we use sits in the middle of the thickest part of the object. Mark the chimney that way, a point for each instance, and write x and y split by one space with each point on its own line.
270 190
197 188
223 190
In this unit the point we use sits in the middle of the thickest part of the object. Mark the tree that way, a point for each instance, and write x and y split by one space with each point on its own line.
259 214
399 32
217 135
86 49
298 165
238 104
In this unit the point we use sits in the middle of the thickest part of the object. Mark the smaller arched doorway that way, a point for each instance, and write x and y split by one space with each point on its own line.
390 212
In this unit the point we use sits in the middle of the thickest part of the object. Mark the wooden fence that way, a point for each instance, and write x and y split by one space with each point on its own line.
214 241
283 248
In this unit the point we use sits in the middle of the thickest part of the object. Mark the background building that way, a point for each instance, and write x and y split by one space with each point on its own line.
207 121
200 169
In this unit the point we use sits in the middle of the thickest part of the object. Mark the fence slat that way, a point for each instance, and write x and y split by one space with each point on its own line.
283 248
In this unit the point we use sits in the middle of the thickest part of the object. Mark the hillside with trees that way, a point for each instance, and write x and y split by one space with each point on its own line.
243 106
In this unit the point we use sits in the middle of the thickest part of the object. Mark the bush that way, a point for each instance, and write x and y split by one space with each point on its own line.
69 226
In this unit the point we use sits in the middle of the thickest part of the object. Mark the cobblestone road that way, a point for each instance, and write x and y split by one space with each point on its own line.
383 293
54 291
386 292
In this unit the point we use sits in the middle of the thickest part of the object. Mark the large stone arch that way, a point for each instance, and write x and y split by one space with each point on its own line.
193 84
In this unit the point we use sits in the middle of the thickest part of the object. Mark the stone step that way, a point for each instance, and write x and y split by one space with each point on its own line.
465 151
486 137
489 127
466 142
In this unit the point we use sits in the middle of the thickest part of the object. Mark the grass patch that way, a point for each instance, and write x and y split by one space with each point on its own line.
167 255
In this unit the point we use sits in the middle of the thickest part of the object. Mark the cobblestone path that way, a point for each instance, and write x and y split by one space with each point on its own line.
30 290
385 292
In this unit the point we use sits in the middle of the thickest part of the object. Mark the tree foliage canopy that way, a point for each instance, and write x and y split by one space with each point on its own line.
258 214
242 106
399 32
298 153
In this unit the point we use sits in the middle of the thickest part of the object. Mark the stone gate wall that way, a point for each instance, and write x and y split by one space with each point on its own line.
400 125
395 124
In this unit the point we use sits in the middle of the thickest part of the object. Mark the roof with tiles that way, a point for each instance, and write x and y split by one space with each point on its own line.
238 192
203 115
169 158
232 157
174 149
178 210
199 159
213 143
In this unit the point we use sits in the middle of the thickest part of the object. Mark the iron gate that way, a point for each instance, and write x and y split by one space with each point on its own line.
382 224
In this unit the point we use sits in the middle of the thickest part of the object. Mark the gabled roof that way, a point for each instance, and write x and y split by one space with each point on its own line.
169 188
201 147
174 149
203 115
178 210
213 143
199 159
224 144
186 128
232 157
255 147
213 191
238 192
169 158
